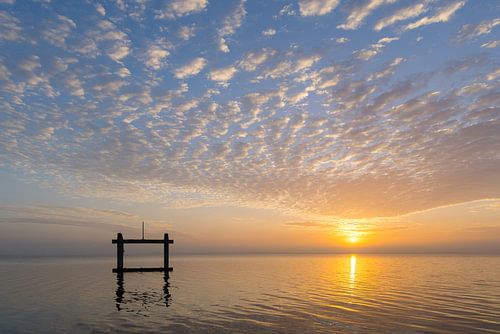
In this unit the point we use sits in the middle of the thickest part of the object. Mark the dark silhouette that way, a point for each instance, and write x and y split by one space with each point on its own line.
166 293
120 249
135 301
119 290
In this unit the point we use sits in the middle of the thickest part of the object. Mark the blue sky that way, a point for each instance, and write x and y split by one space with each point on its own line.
319 112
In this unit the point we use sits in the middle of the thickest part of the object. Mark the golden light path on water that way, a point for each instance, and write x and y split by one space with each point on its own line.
342 293
353 270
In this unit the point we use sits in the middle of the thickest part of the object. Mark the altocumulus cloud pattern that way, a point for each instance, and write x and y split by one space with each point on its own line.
342 108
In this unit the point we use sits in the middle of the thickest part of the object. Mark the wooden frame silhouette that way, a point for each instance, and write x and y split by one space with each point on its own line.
120 249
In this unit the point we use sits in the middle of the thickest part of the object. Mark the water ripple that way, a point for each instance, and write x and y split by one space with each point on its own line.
329 294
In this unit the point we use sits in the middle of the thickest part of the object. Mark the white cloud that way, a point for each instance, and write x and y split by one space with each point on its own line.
253 60
45 134
491 44
10 28
100 9
325 78
305 62
110 87
443 15
192 68
123 72
387 40
155 56
401 15
74 85
31 64
223 74
389 70
470 31
342 40
103 219
179 8
374 49
269 32
186 32
104 36
232 22
493 75
287 10
317 7
118 51
191 104
295 98
288 67
222 45
57 31
87 47
367 54
360 13
62 64
108 32
4 73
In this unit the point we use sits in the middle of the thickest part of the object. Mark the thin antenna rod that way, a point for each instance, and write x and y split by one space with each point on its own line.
142 230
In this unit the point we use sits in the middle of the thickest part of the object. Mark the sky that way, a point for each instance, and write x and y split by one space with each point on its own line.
250 126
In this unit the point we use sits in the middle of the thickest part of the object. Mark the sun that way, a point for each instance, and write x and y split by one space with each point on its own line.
351 233
353 238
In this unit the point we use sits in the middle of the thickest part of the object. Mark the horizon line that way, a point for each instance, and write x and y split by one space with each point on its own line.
463 253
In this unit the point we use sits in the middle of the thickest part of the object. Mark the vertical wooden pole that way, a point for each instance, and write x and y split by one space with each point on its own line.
165 252
119 252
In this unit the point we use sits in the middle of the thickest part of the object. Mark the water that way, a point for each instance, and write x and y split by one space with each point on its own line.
243 294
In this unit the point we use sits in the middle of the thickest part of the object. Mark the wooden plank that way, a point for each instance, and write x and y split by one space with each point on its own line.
119 251
166 254
140 241
125 270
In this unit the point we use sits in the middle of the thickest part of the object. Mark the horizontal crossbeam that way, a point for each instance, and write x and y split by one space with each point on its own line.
142 241
124 270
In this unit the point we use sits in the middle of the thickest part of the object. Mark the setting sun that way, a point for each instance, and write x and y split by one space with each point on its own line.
353 238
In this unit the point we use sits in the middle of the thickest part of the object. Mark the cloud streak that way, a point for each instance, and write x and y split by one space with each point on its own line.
232 22
400 15
442 15
179 8
360 13
192 68
317 7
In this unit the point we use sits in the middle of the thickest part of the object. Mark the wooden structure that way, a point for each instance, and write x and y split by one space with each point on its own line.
120 249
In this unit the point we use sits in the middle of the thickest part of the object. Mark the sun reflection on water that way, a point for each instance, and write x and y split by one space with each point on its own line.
353 270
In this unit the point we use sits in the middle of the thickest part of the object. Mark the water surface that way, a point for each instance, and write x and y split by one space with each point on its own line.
240 294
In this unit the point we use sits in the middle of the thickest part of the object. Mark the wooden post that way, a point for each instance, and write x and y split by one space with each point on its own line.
165 252
119 252
120 249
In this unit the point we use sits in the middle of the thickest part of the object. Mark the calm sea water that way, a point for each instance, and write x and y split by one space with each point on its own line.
246 294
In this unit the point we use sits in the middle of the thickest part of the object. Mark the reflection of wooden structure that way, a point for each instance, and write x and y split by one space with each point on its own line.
120 249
